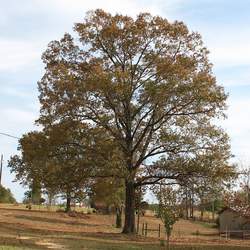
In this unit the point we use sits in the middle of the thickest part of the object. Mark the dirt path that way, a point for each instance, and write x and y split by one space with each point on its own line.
50 245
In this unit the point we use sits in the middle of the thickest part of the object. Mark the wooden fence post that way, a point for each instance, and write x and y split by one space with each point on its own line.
159 232
146 229
142 228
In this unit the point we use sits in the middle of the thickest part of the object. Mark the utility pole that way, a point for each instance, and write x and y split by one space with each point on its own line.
1 169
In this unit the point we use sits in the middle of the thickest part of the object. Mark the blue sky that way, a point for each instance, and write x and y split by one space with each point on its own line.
27 27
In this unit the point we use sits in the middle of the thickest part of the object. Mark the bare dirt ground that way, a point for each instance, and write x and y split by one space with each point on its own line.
48 230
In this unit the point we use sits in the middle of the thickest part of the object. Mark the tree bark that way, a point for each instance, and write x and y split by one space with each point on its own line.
186 204
129 224
190 204
50 197
138 220
213 209
167 245
202 212
202 206
119 217
68 201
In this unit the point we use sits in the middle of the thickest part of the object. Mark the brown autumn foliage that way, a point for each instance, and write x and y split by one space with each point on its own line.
148 84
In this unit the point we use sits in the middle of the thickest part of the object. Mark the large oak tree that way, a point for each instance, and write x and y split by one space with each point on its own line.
145 81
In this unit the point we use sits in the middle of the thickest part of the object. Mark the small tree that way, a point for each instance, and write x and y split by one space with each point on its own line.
52 162
169 218
6 196
167 198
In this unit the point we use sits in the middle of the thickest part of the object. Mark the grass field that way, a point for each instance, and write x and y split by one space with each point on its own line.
24 229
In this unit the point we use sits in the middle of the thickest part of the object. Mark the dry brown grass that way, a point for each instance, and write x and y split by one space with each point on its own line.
49 229
182 228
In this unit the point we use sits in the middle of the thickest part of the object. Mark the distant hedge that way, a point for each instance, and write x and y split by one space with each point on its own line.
6 196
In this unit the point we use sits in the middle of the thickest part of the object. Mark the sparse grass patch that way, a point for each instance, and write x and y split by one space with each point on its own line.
22 229
206 224
15 248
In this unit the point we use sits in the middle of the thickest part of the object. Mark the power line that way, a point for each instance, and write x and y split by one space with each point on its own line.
11 136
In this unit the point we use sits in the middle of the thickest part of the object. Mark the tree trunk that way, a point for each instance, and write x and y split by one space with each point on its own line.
167 245
68 201
202 212
50 199
186 205
129 224
119 217
190 204
213 209
138 221
248 194
202 206
36 192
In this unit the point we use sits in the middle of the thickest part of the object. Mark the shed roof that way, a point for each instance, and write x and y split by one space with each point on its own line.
243 211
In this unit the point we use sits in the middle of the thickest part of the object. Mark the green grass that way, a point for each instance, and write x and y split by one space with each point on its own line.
206 224
52 208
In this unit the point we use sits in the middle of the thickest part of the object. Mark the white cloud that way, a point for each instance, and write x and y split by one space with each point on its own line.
238 121
234 78
238 127
230 54
15 120
130 7
16 54
13 91
229 45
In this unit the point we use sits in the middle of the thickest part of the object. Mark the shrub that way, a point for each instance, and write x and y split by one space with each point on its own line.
6 196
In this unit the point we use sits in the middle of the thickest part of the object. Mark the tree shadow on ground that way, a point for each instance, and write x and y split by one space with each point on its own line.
52 220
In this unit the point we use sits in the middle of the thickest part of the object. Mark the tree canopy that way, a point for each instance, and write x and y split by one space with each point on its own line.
147 84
